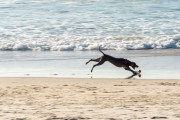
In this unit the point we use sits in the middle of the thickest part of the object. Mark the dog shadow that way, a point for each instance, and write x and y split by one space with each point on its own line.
131 76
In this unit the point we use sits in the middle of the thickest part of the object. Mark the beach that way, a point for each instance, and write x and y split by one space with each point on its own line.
35 98
44 47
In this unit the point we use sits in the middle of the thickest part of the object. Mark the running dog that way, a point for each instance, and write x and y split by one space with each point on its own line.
118 62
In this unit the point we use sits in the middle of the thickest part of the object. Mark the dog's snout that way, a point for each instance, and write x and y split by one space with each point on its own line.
136 65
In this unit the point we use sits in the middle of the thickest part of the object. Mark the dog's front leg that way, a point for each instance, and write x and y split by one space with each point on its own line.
129 69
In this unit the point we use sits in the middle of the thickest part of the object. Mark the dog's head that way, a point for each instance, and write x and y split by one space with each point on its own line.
134 65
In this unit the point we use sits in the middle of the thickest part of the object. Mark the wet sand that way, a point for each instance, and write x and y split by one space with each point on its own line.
72 64
74 98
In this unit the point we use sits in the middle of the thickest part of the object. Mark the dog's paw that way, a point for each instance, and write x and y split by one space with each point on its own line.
135 73
87 62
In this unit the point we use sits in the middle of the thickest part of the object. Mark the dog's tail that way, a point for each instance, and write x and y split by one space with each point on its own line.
101 51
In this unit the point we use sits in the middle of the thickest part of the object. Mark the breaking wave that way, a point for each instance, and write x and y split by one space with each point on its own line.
75 25
91 43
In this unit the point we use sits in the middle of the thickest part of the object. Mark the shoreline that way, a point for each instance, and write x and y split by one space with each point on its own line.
89 78
81 98
69 78
66 64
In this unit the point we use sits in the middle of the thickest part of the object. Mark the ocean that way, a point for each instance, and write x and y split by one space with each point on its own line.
46 37
79 25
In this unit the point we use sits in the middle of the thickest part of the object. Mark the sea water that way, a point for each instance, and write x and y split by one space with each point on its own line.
61 25
57 37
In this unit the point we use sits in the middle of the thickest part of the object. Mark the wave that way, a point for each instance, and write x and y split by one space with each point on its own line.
91 43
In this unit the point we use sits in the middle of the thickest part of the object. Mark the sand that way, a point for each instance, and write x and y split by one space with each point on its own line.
98 99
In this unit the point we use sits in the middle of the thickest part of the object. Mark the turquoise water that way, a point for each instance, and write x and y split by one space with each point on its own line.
78 25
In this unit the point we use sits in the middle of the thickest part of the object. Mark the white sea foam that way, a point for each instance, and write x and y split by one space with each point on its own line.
91 43
61 25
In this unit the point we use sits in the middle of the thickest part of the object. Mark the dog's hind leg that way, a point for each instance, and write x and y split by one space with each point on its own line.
95 60
100 63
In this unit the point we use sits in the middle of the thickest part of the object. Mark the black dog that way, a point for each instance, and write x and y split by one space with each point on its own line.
119 62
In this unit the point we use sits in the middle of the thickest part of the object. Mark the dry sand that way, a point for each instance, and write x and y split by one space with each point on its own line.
74 99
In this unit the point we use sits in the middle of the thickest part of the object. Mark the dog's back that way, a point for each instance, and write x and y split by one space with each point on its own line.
119 62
